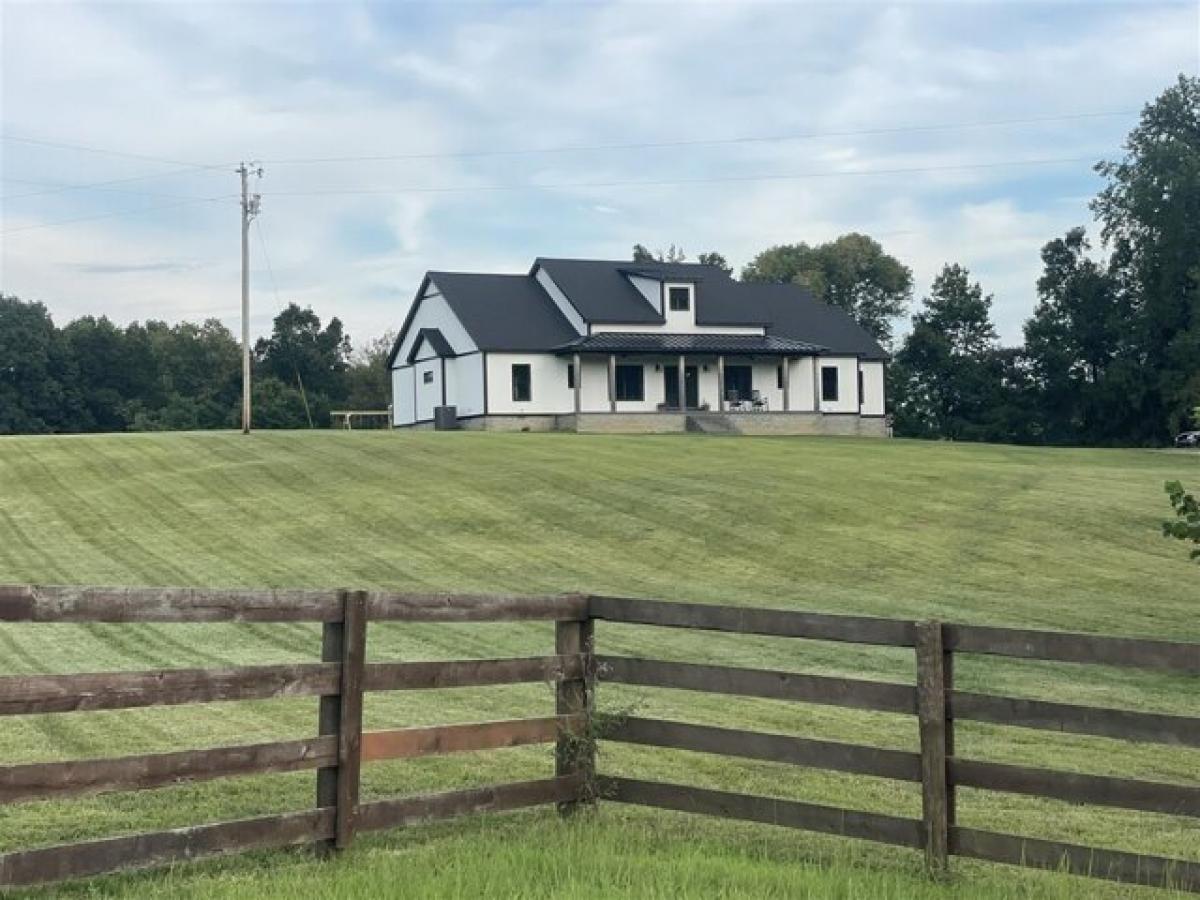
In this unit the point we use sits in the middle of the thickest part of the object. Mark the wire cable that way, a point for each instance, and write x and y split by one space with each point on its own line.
904 129
721 179
123 212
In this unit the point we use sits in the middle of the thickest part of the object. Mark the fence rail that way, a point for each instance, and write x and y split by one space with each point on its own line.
342 677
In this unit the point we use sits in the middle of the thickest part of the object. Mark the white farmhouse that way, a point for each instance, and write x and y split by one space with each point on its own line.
588 345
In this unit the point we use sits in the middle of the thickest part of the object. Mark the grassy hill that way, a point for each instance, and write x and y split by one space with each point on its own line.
1041 538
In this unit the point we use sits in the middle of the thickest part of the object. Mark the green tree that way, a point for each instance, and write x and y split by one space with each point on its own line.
943 378
368 381
301 353
38 378
1150 215
117 372
713 258
1082 349
673 254
852 272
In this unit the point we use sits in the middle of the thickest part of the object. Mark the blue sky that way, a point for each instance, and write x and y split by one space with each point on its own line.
461 84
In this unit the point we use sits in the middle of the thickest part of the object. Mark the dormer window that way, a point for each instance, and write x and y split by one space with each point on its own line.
679 299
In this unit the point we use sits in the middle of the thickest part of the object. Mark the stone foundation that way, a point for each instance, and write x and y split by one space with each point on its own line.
758 423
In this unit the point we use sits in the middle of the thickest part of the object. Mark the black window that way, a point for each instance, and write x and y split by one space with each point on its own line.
521 382
860 387
679 299
739 383
571 375
829 383
427 378
631 383
779 376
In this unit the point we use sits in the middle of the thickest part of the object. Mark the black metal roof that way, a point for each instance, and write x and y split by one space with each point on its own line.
794 312
435 339
725 344
514 313
602 293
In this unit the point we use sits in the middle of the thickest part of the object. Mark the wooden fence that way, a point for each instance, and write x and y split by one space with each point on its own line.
340 746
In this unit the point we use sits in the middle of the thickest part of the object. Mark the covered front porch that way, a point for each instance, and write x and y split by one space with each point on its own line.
639 373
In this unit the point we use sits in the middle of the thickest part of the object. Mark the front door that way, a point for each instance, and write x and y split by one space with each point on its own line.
691 386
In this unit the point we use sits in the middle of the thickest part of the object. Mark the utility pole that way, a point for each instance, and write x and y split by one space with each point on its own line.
250 207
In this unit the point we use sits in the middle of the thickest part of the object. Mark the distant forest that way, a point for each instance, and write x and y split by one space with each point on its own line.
1111 354
93 375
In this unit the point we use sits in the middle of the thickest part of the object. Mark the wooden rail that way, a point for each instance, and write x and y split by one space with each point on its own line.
339 747
936 705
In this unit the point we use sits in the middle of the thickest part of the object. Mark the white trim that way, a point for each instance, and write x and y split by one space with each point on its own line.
570 313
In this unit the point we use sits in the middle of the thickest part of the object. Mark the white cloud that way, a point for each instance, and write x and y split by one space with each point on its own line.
218 82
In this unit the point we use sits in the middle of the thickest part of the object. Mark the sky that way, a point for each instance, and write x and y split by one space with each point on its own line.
406 137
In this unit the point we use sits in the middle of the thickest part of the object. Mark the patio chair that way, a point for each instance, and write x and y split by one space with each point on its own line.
758 402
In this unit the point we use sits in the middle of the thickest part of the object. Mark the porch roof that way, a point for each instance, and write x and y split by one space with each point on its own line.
674 344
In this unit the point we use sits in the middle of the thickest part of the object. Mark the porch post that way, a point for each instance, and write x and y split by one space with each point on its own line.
721 383
816 364
787 384
682 383
612 382
578 382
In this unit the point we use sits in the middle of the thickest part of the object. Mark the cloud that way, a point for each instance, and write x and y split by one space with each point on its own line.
451 81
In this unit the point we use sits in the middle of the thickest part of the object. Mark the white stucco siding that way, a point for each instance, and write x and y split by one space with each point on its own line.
464 384
847 369
434 312
802 398
678 328
766 382
593 390
873 388
549 393
428 375
403 397
570 313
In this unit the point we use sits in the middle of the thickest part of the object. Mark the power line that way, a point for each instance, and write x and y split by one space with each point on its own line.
59 188
780 176
123 212
262 242
191 167
87 148
752 139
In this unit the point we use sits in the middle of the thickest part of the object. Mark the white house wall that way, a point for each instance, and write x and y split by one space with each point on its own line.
464 385
403 398
434 312
676 327
429 394
549 393
847 401
873 389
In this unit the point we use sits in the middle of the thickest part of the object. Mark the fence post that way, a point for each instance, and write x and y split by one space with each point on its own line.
935 741
340 714
575 753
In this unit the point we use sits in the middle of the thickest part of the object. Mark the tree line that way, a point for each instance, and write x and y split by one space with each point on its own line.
1111 353
94 375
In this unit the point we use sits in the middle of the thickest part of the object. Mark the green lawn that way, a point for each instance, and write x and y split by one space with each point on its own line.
1041 538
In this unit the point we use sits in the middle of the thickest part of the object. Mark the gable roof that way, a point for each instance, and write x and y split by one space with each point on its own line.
436 340
514 313
499 312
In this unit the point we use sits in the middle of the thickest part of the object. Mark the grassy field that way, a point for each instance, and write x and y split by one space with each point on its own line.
1040 538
